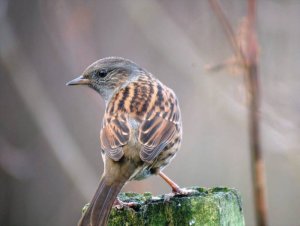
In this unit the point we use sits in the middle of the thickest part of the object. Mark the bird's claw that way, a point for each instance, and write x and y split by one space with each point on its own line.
179 192
121 205
183 192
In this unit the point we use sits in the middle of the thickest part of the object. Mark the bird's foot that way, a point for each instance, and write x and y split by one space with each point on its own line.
179 192
183 191
120 204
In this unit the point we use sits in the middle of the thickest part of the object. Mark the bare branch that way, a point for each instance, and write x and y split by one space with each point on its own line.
229 31
245 48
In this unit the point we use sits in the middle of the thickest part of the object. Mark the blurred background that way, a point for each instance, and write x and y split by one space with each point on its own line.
49 148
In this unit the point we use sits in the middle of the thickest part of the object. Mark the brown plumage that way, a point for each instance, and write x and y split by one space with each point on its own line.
141 129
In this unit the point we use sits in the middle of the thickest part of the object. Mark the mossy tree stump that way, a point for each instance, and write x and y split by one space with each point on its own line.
209 207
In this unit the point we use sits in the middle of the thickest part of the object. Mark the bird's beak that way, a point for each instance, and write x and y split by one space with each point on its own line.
79 81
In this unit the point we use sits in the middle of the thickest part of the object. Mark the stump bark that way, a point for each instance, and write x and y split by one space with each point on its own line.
207 207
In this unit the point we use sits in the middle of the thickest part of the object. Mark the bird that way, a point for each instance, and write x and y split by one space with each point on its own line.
140 134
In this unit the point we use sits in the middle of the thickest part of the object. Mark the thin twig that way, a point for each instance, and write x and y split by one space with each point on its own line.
258 172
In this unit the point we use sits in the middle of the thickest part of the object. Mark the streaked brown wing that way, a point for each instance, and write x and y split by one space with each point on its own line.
160 126
114 134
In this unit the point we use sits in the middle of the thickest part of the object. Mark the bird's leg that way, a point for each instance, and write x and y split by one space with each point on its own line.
175 188
120 204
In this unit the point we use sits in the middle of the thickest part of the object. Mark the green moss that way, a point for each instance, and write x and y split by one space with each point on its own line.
209 207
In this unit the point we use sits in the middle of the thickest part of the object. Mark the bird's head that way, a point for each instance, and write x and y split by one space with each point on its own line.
108 75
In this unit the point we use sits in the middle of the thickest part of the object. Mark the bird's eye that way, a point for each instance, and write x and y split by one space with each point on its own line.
101 73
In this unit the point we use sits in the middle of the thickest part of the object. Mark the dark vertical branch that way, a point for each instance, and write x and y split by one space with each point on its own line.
250 63
257 164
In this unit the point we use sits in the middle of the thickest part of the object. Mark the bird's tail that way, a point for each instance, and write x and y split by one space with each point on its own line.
99 209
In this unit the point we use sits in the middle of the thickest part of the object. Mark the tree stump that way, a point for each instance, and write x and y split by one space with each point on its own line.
209 207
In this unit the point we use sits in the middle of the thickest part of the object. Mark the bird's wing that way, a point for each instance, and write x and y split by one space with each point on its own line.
161 124
114 134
